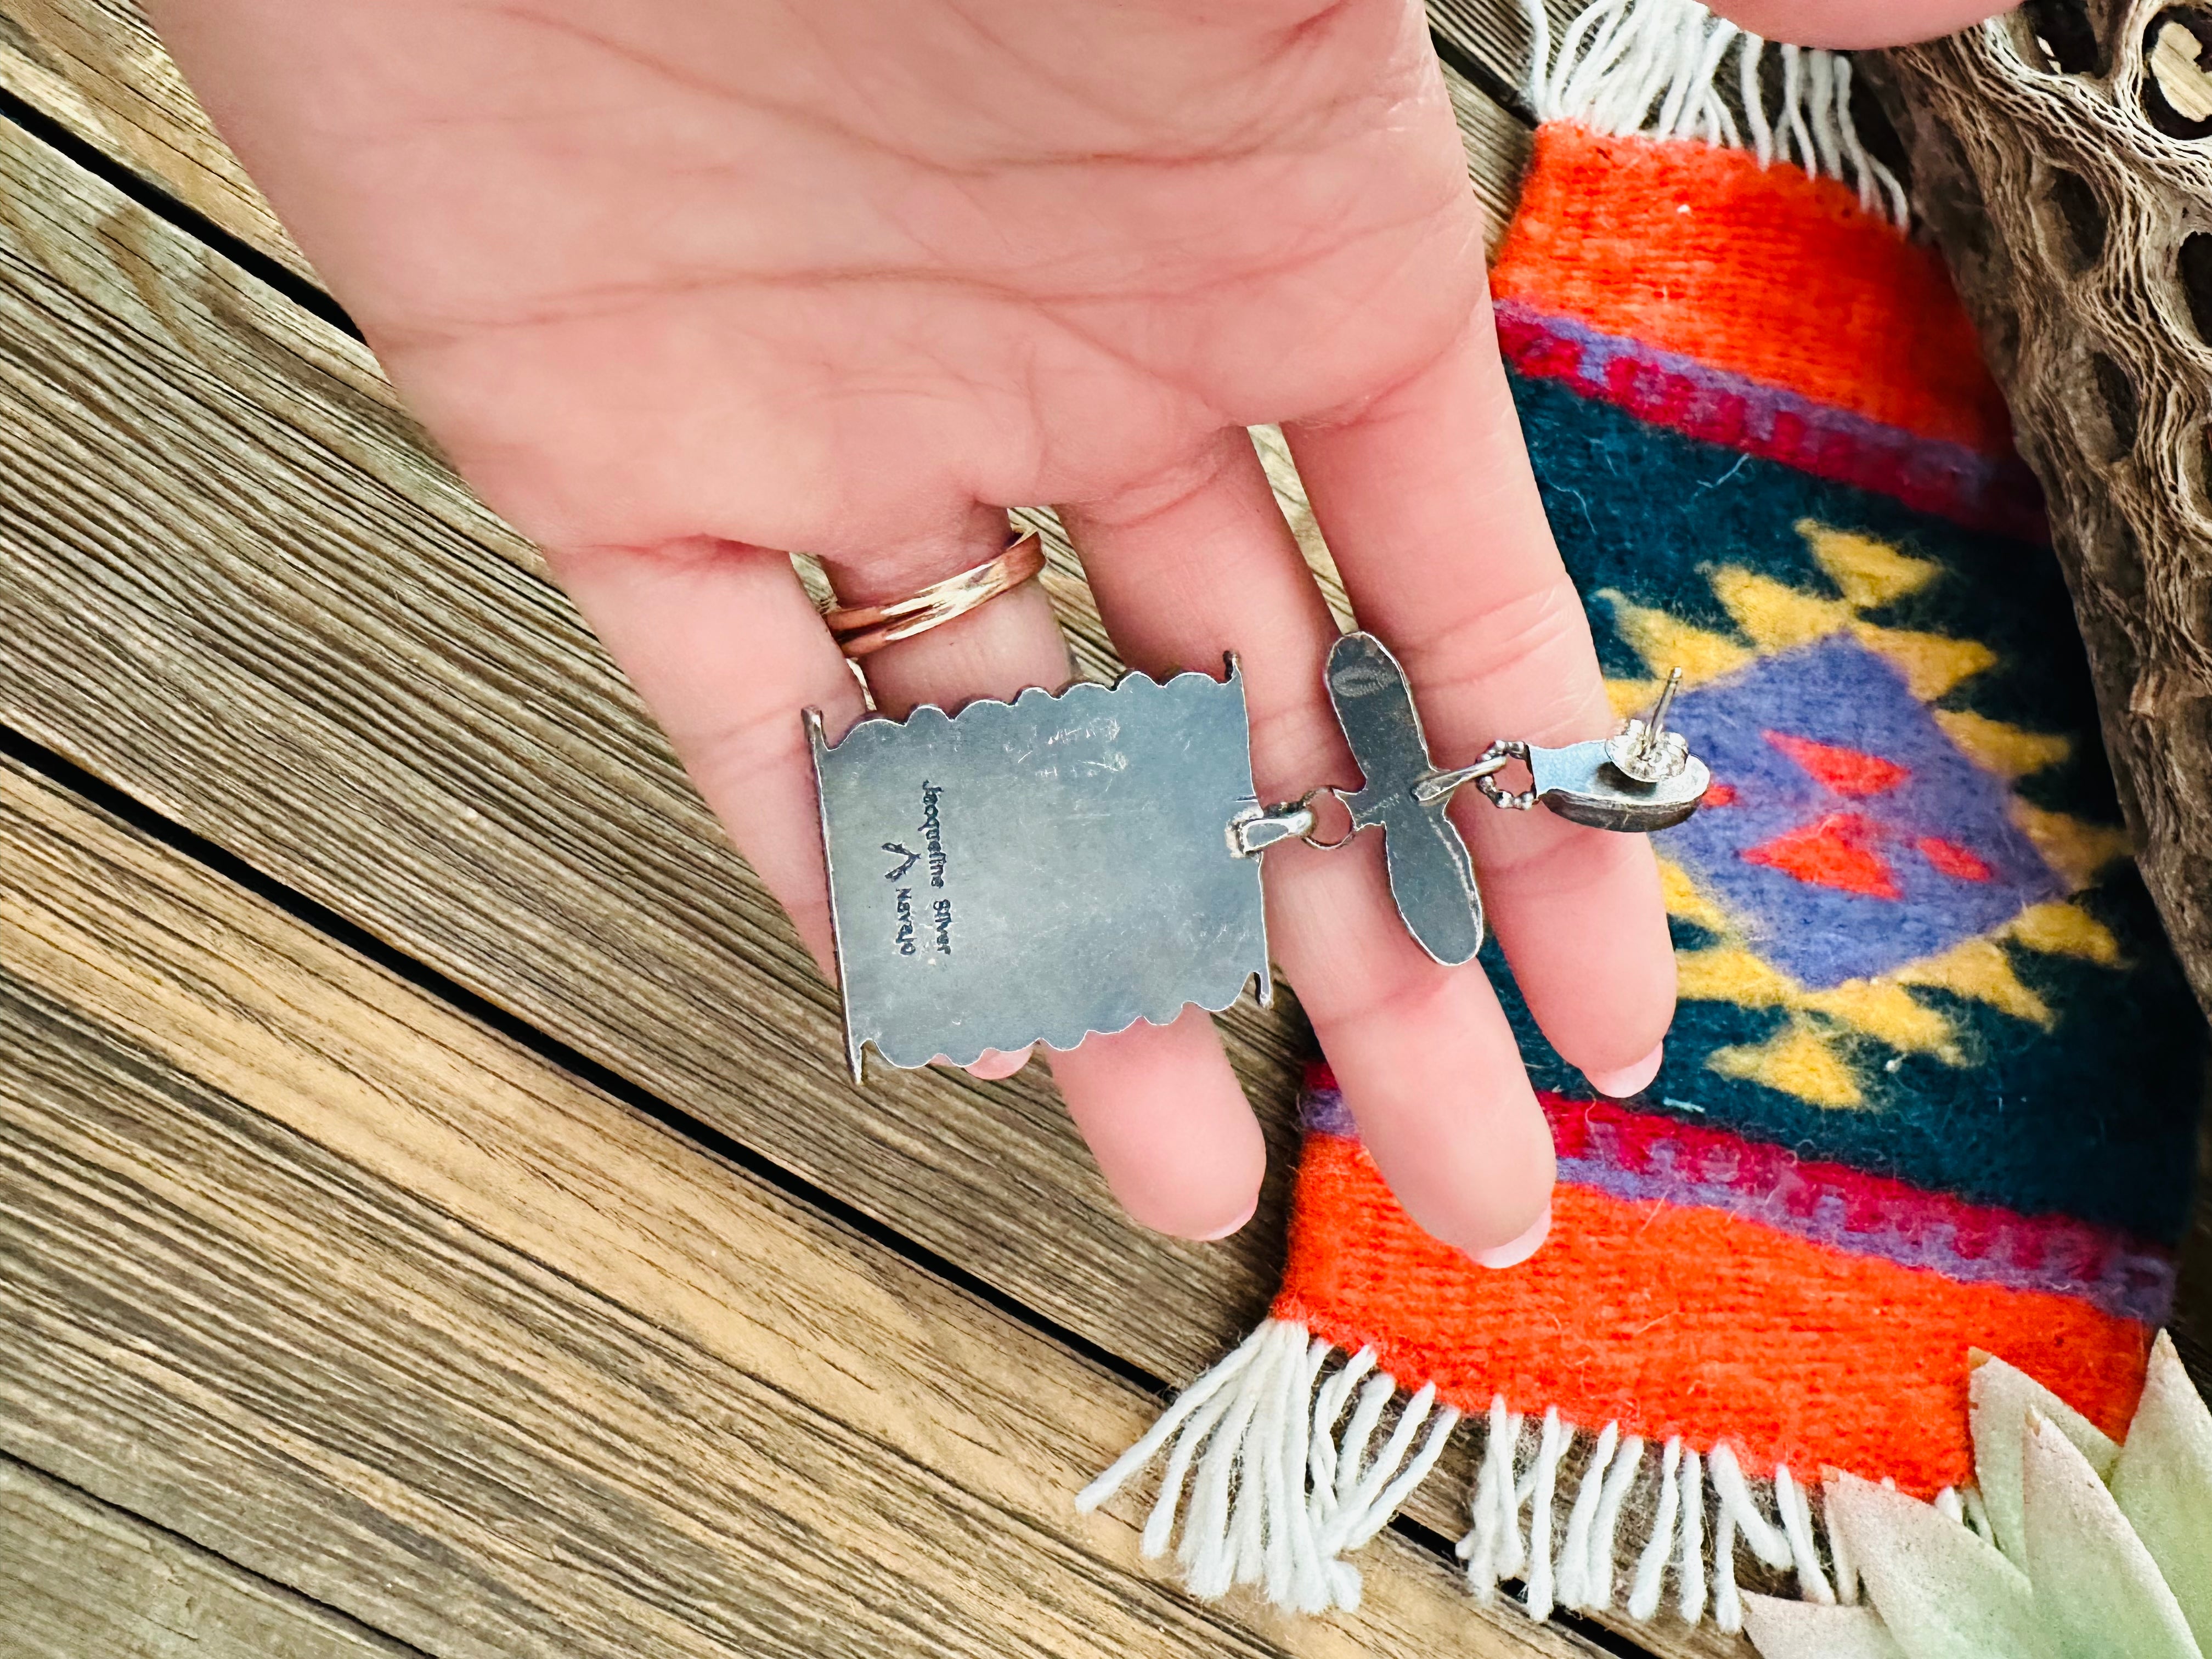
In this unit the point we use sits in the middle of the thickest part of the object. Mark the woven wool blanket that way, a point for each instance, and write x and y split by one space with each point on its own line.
1931 1089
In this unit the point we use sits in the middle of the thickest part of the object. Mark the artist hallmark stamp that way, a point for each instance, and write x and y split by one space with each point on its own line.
907 934
932 832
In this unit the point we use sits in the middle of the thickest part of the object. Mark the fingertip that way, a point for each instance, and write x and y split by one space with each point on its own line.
1514 1252
1855 25
1465 1147
996 1064
1625 1081
1203 1189
1606 1010
1233 1227
1507 1230
1168 1124
1201 1193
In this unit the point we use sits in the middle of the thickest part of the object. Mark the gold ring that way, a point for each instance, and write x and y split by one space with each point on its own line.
861 628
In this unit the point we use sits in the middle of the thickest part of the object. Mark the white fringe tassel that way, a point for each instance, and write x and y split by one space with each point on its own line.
1270 1493
1277 1500
1653 68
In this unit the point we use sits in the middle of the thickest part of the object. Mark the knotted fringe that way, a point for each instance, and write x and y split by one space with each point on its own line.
1653 68
1270 1495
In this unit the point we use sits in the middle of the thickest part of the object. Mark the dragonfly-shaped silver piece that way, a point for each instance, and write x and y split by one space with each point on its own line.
1070 863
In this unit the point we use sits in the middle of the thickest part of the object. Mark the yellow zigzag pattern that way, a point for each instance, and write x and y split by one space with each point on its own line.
1819 1054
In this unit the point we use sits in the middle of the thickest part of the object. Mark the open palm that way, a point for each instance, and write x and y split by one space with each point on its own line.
679 284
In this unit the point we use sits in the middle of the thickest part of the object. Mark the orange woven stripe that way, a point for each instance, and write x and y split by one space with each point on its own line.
1670 1320
1763 272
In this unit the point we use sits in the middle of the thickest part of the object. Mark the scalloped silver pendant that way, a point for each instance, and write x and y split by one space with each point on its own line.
1067 864
1038 871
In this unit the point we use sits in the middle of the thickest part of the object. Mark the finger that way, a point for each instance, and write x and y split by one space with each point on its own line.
722 642
1159 1107
1168 1122
1428 504
997 1063
671 617
1185 567
1853 24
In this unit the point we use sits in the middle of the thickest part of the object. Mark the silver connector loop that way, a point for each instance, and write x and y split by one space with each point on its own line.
1496 757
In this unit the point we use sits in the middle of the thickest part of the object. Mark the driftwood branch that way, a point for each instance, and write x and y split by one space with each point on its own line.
2063 158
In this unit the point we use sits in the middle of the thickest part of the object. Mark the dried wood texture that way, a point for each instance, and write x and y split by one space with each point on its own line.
1494 35
1497 145
2081 234
80 1578
97 67
305 1266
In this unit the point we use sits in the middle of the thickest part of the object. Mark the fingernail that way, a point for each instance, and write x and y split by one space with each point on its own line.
1236 1226
1513 1253
1629 1079
996 1064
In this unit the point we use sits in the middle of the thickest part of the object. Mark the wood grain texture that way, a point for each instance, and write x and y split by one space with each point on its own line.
305 1266
97 67
1495 33
1498 147
80 1578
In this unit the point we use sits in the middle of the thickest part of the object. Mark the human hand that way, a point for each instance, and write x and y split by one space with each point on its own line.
680 283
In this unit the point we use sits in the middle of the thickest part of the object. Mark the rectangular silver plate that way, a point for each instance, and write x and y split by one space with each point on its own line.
1036 871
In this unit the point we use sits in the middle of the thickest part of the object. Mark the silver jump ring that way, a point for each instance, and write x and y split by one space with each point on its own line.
1315 842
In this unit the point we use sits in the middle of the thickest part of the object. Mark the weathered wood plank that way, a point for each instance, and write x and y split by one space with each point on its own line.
97 67
80 1579
1498 147
305 1266
1493 33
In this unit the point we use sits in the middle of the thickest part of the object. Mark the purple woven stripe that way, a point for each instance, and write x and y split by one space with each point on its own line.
2131 1282
1322 1111
1673 390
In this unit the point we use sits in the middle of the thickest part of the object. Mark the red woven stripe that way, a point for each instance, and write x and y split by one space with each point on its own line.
1668 390
1670 1320
1762 271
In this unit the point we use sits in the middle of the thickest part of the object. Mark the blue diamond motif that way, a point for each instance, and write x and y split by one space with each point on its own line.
1837 692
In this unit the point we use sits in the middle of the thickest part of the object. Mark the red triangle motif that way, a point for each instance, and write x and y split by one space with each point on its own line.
1836 851
1953 859
1849 772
